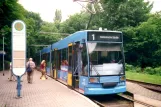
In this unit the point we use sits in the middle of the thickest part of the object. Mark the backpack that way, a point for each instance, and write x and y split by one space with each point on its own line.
28 68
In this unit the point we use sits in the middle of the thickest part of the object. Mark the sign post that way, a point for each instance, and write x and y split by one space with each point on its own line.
18 51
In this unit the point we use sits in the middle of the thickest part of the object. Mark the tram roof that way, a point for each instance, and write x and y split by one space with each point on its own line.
101 31
46 49
75 37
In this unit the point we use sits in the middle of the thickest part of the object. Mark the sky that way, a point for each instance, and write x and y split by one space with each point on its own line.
46 8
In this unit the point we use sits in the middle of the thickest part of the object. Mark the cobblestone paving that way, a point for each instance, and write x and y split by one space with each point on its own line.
137 89
41 93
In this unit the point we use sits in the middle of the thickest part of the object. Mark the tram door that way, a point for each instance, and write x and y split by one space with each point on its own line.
52 63
73 77
76 65
55 64
70 65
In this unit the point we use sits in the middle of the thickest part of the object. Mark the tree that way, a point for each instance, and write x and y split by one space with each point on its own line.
48 38
10 10
118 14
33 22
143 43
58 16
75 23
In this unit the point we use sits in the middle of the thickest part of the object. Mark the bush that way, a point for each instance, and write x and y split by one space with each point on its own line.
138 69
158 71
129 67
149 70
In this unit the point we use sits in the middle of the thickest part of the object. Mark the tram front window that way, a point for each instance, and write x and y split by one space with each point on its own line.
105 59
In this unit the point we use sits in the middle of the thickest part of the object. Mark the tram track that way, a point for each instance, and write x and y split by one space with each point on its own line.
154 87
120 100
130 97
111 101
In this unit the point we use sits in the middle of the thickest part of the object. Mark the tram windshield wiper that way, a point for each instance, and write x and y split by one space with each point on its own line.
94 69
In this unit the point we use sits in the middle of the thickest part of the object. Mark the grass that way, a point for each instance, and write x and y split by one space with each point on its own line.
144 77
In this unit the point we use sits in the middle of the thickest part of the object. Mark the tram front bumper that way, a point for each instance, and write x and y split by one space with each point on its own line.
102 91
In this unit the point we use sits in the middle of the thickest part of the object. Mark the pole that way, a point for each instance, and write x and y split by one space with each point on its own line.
89 21
19 87
3 55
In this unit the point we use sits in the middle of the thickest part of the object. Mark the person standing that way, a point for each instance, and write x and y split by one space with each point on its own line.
30 64
43 69
11 73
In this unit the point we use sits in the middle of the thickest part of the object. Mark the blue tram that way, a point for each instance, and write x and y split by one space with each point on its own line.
91 62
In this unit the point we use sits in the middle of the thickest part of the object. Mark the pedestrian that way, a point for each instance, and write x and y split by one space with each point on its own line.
43 69
11 77
30 64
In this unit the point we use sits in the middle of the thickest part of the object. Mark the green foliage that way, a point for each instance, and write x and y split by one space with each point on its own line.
149 70
143 43
75 23
33 22
10 10
129 67
158 71
58 16
155 79
120 14
49 38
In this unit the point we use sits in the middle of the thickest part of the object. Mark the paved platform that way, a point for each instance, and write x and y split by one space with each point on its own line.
41 93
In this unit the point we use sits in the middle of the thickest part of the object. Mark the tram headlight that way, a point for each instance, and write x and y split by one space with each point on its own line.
93 80
122 78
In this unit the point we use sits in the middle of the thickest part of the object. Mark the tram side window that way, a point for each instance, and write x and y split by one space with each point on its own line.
48 59
84 60
52 57
43 57
64 57
59 59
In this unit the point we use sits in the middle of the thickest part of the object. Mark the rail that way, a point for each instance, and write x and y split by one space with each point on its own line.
136 101
154 87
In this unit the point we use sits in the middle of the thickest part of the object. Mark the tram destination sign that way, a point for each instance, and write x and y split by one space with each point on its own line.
18 48
104 36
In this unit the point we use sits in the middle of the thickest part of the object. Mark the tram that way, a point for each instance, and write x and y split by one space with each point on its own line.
91 62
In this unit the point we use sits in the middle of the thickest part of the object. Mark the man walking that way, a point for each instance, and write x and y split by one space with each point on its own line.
30 64
11 73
